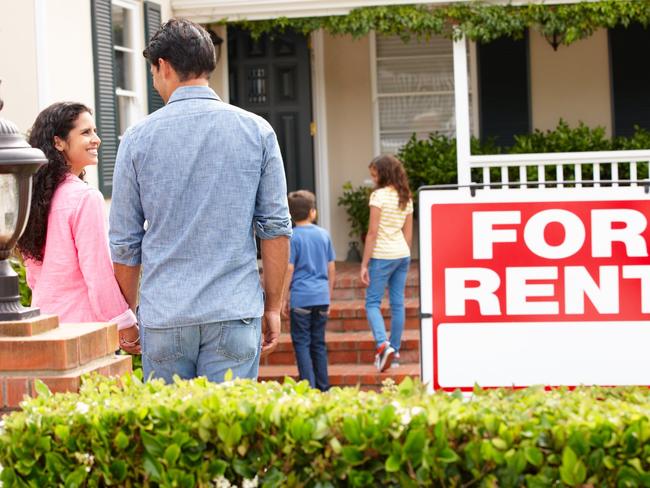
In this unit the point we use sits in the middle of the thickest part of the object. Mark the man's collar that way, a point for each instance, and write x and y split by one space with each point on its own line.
193 91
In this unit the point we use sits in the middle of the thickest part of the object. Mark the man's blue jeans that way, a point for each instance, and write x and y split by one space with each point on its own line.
383 273
208 350
308 337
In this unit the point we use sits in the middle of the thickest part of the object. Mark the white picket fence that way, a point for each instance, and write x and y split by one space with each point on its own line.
597 168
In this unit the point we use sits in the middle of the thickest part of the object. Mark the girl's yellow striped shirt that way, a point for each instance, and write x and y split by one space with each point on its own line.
391 243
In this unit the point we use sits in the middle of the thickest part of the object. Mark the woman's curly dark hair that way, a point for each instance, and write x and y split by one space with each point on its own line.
56 120
390 172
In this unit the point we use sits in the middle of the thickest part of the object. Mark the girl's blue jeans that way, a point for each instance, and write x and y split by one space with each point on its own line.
389 273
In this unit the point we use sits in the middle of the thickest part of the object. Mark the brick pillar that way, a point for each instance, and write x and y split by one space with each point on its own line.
57 354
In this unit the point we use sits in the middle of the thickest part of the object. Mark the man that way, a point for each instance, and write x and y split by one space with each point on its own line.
194 182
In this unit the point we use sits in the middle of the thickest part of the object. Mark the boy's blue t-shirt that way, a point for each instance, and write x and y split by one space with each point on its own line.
311 251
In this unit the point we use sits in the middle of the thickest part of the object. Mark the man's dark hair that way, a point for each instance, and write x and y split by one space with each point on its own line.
186 46
300 204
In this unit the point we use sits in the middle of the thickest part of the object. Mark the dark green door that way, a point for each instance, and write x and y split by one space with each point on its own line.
272 78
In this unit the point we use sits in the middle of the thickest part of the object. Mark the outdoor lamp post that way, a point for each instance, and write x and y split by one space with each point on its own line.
18 163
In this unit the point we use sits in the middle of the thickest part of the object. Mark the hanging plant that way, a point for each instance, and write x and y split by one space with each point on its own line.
479 21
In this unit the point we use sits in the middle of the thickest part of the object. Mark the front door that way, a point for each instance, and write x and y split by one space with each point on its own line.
270 76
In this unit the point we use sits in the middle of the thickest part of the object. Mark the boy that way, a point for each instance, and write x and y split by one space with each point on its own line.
309 284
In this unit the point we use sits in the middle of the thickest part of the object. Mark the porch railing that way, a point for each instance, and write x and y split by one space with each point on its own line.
597 168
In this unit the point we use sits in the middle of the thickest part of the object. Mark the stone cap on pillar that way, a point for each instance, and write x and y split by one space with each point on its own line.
29 327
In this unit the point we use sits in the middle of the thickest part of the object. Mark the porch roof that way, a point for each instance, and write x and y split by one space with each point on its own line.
206 11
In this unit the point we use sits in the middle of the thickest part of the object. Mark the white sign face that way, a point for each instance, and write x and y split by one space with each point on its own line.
526 287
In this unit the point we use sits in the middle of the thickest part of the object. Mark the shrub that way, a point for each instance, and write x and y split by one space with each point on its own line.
429 162
195 433
562 139
433 161
355 201
25 291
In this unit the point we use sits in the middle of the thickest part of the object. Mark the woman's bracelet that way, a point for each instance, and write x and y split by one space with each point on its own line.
131 343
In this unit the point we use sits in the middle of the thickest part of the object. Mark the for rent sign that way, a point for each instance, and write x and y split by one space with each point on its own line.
523 287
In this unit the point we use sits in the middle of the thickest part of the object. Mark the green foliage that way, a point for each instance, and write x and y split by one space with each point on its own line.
25 291
355 201
563 139
429 162
639 140
196 433
432 161
479 21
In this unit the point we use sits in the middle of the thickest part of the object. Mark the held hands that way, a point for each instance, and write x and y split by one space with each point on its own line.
364 276
271 323
130 340
285 309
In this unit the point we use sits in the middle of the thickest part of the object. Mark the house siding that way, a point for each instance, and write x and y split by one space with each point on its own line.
349 123
18 65
572 83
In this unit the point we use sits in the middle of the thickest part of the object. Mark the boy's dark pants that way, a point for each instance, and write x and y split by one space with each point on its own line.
308 337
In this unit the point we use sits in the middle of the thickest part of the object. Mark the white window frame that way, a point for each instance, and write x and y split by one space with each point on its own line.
473 68
137 95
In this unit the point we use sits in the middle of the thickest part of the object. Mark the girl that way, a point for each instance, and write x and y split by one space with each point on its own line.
387 252
65 244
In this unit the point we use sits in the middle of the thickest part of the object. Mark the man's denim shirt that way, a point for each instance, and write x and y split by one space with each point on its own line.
205 176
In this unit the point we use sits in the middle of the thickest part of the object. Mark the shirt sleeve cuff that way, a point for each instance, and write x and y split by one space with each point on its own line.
124 320
126 255
270 229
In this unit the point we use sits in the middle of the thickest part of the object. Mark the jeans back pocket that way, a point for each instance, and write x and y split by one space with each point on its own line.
162 345
240 339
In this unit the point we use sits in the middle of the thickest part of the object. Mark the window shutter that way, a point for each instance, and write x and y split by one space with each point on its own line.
152 21
503 89
105 107
630 78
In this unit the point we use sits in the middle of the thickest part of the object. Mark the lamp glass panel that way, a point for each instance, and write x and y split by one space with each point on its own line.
8 206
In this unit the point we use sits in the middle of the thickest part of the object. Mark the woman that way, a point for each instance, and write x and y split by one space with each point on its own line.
387 253
65 244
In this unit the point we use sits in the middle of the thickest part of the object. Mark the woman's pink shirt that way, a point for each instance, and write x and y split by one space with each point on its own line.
75 280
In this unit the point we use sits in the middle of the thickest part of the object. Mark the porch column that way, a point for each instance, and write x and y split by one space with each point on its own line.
461 96
321 156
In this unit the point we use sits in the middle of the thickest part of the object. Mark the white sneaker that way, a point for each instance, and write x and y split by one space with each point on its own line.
395 363
378 354
385 357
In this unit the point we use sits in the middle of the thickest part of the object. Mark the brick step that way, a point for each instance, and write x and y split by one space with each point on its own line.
355 293
350 315
348 286
365 376
348 347
357 308
347 275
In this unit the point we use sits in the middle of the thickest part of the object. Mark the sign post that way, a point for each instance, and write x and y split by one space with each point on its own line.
536 286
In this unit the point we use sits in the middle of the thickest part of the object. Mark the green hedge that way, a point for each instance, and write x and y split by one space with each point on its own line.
246 433
418 155
25 291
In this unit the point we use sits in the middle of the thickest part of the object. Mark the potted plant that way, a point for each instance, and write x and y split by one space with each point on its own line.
355 202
